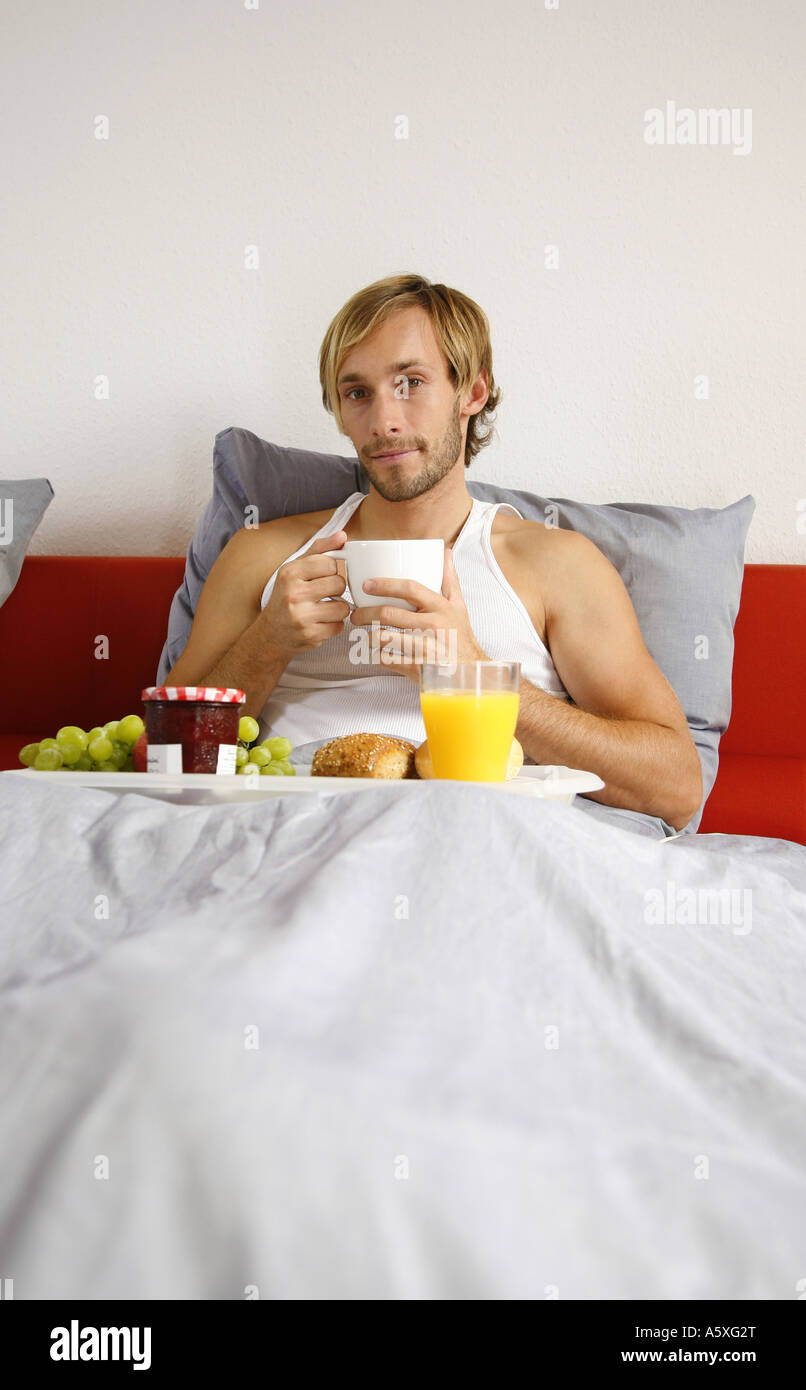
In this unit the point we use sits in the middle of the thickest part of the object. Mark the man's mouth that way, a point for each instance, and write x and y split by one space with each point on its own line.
398 454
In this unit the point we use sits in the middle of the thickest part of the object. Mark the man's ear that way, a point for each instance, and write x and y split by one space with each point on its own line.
479 393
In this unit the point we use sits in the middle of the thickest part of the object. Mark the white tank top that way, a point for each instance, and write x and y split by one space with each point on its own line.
322 694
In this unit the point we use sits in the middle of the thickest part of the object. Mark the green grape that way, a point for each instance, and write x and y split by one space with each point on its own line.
248 729
248 770
27 755
111 729
95 732
70 750
107 766
49 760
130 729
119 754
241 755
71 733
271 770
285 767
100 749
261 756
278 747
84 763
47 743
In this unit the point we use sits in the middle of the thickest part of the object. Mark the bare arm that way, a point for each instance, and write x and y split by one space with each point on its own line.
235 643
251 664
626 723
229 643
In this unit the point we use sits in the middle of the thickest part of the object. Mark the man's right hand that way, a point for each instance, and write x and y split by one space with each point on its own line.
296 614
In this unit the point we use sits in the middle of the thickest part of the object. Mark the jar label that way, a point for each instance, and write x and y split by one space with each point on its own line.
164 757
226 757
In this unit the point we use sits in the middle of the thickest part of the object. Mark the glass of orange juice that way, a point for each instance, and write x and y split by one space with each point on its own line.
470 710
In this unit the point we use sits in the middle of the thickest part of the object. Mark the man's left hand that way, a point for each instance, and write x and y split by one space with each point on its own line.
428 631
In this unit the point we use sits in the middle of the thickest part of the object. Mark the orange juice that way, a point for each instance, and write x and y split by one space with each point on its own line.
470 733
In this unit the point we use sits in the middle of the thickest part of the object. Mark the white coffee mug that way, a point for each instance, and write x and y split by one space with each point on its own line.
422 560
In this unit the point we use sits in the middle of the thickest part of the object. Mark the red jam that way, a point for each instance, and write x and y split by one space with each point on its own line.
192 728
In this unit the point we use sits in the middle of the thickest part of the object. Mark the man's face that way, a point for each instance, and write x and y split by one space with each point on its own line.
402 398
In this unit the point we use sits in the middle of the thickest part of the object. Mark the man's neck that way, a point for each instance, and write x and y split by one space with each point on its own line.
429 516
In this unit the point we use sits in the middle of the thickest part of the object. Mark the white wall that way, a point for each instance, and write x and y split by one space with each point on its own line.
275 126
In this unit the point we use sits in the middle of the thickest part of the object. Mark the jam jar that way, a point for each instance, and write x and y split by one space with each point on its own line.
192 728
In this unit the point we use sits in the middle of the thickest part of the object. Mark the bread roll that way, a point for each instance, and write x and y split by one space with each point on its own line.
365 755
424 766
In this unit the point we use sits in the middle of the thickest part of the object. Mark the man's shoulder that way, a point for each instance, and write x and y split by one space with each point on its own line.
297 521
538 540
280 530
560 567
253 553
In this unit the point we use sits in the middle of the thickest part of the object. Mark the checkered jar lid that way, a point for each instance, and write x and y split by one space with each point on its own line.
212 694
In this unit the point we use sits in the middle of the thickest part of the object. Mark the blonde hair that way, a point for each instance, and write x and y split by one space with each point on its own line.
460 327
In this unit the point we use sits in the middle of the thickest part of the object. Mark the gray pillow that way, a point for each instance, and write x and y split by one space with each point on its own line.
682 568
23 503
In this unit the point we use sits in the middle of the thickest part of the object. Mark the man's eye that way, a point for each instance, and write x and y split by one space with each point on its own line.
409 379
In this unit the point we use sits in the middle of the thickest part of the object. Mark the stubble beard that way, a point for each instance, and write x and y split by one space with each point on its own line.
393 482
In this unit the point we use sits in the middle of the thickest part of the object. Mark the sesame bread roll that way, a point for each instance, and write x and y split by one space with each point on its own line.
365 755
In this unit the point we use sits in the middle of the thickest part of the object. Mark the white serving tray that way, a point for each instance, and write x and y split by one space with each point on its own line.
206 788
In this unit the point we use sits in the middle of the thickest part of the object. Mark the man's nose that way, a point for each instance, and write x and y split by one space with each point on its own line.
386 415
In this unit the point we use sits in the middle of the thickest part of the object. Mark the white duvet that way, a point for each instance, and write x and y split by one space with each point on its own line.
421 1042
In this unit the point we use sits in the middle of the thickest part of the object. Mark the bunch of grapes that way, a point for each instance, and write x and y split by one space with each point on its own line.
268 759
106 748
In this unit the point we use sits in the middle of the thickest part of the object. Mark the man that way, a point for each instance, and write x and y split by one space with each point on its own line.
406 368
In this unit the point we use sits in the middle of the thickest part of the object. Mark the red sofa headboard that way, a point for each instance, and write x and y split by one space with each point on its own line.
761 782
51 676
769 666
48 627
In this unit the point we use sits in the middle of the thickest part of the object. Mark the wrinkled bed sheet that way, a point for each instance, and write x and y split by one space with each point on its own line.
428 1041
